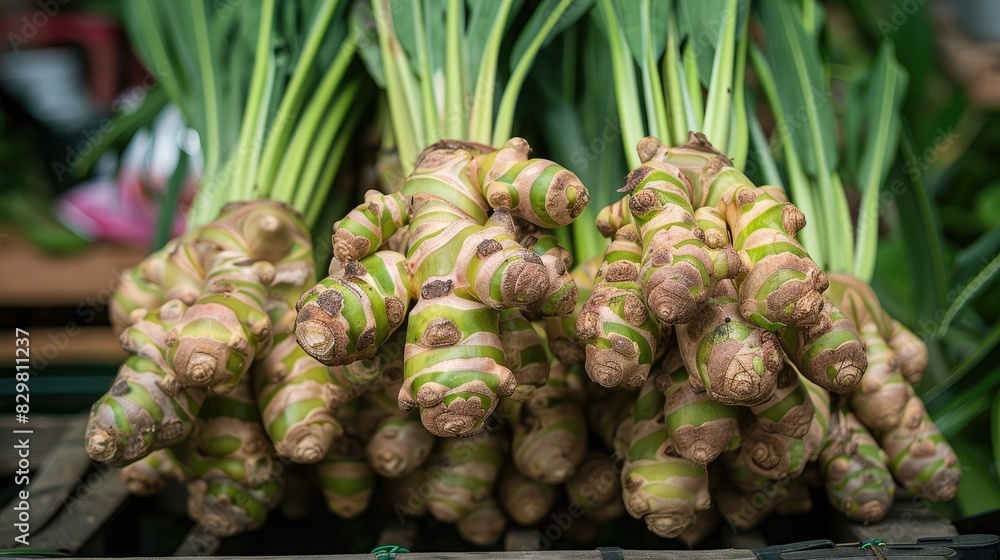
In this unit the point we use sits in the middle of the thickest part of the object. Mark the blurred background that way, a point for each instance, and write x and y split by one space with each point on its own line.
90 183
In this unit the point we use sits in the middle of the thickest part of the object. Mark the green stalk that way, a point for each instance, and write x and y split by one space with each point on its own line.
287 179
679 111
508 101
317 146
693 83
836 220
162 68
328 162
720 88
168 206
255 112
739 140
211 143
866 242
455 115
407 126
842 215
625 90
812 237
291 103
656 118
769 169
569 52
432 121
482 102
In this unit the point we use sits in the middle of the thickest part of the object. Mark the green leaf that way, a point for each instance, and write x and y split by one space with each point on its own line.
549 19
970 259
797 68
813 236
720 89
700 24
456 112
363 28
984 346
887 88
626 92
995 432
979 491
643 31
921 232
483 17
485 68
981 281
795 61
566 13
404 23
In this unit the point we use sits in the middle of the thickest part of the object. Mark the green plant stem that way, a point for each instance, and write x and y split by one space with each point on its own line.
160 61
481 117
211 143
406 127
432 121
656 118
255 112
981 281
309 190
326 163
769 169
168 206
287 179
720 89
293 98
456 115
505 116
799 187
739 139
625 89
693 91
680 113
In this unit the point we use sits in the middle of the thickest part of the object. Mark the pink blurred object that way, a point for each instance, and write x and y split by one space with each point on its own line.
127 208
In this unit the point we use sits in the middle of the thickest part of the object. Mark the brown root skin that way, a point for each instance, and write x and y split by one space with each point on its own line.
741 360
830 352
770 455
701 443
285 381
792 401
611 218
794 301
146 408
911 352
883 392
920 458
